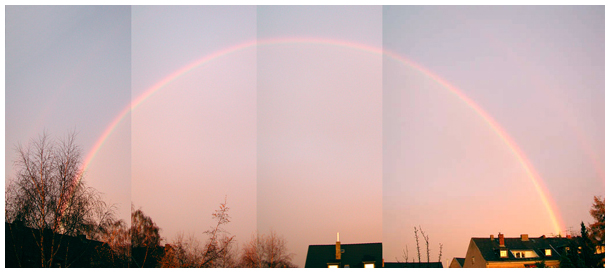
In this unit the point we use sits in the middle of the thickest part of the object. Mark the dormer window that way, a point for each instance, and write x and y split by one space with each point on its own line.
333 265
520 254
503 253
547 252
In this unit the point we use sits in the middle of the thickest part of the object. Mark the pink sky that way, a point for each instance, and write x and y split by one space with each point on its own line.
310 139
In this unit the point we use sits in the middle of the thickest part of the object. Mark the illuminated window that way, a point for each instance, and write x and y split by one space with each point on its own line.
503 254
600 249
369 265
333 266
524 254
547 252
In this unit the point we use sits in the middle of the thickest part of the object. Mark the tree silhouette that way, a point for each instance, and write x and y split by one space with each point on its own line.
50 197
144 235
266 251
598 211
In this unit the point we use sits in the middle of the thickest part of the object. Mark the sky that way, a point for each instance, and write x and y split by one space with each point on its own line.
363 120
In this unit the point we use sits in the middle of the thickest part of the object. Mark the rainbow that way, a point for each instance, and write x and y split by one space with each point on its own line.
493 125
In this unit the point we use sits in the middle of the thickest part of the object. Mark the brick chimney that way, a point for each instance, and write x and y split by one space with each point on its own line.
501 239
524 237
491 237
338 248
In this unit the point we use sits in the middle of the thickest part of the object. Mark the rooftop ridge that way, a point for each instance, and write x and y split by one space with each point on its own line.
342 244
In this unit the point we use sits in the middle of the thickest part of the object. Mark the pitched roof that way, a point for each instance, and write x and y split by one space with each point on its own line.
460 261
490 249
413 265
354 255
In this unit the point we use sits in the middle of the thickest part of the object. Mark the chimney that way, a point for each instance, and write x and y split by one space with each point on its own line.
524 237
501 239
491 237
569 236
338 248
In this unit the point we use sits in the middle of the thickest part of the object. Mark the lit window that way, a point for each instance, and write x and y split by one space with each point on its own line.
369 265
600 249
333 266
547 252
503 254
524 254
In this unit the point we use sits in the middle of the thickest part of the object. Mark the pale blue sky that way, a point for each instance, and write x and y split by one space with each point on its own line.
69 69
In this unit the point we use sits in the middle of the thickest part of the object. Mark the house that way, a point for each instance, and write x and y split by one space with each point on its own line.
366 255
413 265
457 263
22 249
513 252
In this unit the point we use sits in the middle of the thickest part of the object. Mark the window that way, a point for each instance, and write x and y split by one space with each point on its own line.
600 249
547 252
333 266
369 265
503 253
472 259
524 254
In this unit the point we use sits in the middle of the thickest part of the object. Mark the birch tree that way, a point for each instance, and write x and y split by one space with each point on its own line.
49 196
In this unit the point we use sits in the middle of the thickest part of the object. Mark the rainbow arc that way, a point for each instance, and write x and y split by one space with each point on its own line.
493 125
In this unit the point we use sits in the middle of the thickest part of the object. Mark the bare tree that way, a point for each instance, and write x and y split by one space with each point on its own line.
440 252
417 242
50 197
228 257
118 240
144 235
183 252
266 251
405 254
218 251
427 243
220 242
